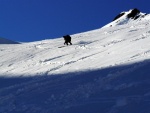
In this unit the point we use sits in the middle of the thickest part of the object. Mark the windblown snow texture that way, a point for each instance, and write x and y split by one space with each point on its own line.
105 71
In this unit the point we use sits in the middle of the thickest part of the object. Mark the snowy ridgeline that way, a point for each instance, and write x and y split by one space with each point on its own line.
104 71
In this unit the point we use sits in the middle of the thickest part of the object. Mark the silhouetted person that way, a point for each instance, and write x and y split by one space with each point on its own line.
67 39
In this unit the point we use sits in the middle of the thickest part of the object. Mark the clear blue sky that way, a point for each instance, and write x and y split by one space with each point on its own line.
33 20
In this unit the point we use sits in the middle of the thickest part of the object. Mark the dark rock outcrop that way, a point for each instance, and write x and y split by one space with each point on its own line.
134 14
118 16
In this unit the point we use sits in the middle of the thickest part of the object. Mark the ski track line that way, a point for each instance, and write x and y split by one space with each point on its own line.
71 62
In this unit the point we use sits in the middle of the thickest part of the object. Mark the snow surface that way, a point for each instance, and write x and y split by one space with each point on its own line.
124 19
104 71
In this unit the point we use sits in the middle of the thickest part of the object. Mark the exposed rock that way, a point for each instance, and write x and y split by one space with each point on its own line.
118 16
134 14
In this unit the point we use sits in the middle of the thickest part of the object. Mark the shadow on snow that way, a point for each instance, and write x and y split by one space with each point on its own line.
122 89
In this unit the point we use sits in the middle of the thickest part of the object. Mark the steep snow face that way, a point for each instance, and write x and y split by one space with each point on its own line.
133 15
6 41
104 71
101 48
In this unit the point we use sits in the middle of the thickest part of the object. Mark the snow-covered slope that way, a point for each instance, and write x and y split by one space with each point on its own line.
6 41
126 17
104 71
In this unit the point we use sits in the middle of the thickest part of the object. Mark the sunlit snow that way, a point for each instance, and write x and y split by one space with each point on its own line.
105 71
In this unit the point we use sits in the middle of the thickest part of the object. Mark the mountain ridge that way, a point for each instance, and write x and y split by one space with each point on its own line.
7 41
133 15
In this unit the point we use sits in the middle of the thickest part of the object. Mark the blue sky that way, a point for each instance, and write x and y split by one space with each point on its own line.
33 20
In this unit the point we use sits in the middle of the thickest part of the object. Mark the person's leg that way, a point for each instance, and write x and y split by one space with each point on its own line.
70 43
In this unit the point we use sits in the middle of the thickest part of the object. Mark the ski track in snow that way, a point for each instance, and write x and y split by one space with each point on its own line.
84 91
